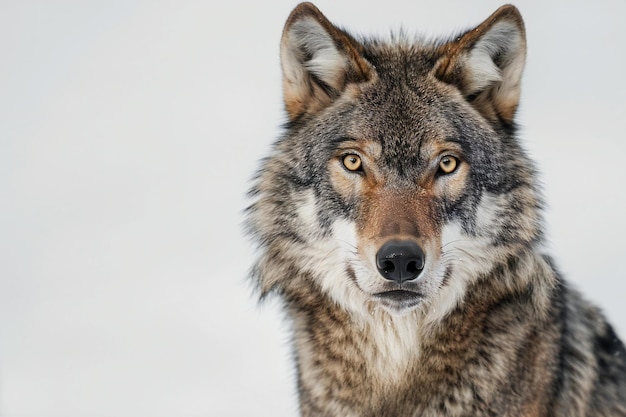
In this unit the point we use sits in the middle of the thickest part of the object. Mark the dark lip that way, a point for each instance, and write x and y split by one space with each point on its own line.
399 296
398 293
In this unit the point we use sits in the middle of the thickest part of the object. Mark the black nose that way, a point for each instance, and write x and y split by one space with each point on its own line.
400 260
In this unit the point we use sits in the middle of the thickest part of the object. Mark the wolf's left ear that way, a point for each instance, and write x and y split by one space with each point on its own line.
319 61
486 64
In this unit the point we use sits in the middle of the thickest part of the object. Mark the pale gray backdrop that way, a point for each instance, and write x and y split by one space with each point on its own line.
128 130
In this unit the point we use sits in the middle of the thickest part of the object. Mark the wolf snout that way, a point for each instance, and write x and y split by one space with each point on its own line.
400 260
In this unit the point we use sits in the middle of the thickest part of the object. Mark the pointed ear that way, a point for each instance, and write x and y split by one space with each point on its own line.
486 64
318 61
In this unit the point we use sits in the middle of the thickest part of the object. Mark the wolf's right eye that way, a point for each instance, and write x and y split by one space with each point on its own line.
353 162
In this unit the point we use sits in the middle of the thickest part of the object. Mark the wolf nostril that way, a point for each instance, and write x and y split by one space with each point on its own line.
387 266
412 267
400 260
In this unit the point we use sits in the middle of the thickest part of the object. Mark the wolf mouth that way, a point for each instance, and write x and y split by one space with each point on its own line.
399 298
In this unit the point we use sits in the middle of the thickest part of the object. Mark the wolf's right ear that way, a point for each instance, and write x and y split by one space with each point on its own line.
318 61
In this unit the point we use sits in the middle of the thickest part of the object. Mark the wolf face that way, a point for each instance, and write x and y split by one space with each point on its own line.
398 180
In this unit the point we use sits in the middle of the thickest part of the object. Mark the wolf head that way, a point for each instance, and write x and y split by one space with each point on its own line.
398 182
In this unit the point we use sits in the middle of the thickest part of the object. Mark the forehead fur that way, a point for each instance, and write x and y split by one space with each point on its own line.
406 109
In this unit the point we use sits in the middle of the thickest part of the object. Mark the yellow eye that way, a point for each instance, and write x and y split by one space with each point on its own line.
448 164
352 162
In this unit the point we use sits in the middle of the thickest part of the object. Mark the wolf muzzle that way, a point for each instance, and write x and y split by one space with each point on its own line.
400 260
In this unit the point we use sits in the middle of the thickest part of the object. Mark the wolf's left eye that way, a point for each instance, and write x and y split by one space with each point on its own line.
448 164
353 162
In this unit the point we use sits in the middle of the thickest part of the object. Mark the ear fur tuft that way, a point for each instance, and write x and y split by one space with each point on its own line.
486 64
318 61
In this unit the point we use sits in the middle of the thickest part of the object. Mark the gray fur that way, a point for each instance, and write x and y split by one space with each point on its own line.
491 329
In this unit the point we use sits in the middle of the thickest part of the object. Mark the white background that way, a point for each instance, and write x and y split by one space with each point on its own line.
128 133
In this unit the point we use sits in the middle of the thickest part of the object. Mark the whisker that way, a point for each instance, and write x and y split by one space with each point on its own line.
455 241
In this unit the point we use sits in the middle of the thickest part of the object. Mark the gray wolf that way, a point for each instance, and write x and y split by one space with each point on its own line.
400 221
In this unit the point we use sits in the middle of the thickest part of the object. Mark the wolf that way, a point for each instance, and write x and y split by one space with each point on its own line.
399 220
